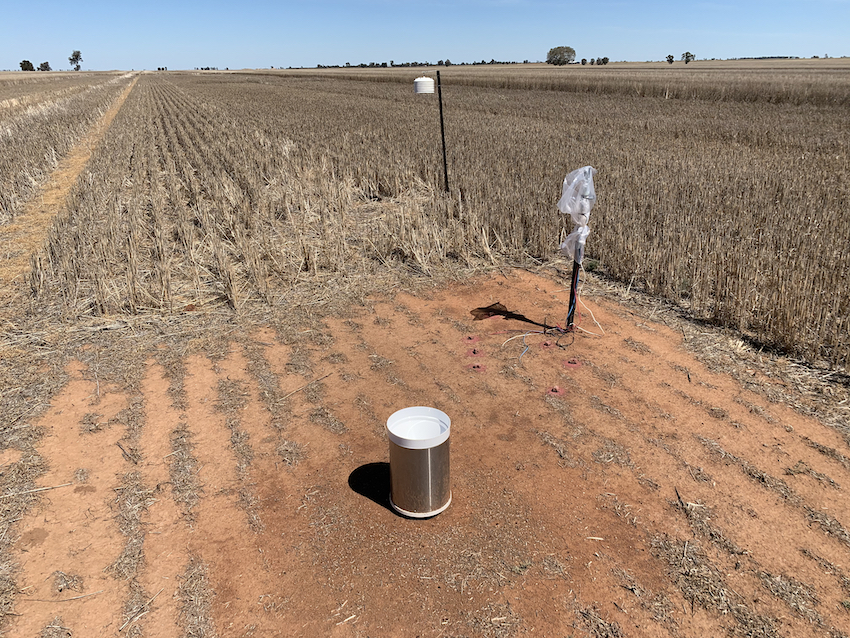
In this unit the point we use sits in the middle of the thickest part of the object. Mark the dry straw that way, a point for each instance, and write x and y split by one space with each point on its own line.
243 192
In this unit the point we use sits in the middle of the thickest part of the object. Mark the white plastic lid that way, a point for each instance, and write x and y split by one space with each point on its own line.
419 427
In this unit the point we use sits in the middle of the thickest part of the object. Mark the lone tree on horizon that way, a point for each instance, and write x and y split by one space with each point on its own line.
44 66
26 65
559 56
688 57
75 59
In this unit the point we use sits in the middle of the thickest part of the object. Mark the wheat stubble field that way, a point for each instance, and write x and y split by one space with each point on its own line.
252 270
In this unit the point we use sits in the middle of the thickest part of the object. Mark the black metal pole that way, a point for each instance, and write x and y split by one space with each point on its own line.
443 133
573 296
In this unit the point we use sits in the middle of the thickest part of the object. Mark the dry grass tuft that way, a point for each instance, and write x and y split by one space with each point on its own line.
55 630
131 502
699 517
232 399
315 392
560 446
91 422
183 471
496 620
552 565
703 584
269 384
241 446
659 605
299 362
597 626
232 396
829 568
327 420
799 597
828 524
63 581
291 452
135 607
801 467
637 346
563 410
612 452
770 482
828 452
173 362
597 404
196 595
16 478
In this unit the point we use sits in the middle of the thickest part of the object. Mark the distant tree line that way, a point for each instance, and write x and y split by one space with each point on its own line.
75 59
775 57
393 64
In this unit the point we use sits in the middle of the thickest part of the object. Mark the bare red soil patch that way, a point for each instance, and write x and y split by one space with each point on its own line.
603 485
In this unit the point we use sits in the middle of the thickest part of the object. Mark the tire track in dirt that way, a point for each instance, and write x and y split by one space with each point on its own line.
38 214
68 541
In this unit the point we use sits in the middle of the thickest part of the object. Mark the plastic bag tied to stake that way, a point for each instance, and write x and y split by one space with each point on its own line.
577 198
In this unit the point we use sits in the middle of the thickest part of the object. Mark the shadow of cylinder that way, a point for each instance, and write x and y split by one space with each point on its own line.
373 481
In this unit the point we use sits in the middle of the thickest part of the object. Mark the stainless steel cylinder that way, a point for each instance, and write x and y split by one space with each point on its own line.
420 472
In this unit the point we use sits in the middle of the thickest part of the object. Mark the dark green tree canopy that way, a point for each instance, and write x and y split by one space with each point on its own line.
688 57
75 59
44 66
670 59
559 56
26 65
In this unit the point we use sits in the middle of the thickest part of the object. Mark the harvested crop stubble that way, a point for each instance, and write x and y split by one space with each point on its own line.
819 82
200 216
703 584
18 96
34 138
195 595
247 184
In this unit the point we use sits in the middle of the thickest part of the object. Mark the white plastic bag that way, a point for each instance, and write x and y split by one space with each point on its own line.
577 198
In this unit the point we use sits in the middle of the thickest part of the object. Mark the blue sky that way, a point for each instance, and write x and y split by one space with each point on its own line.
185 35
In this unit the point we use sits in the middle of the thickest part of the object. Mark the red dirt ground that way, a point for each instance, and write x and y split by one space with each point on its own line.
603 485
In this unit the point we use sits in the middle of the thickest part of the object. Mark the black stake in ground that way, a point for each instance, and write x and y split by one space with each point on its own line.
443 133
573 295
